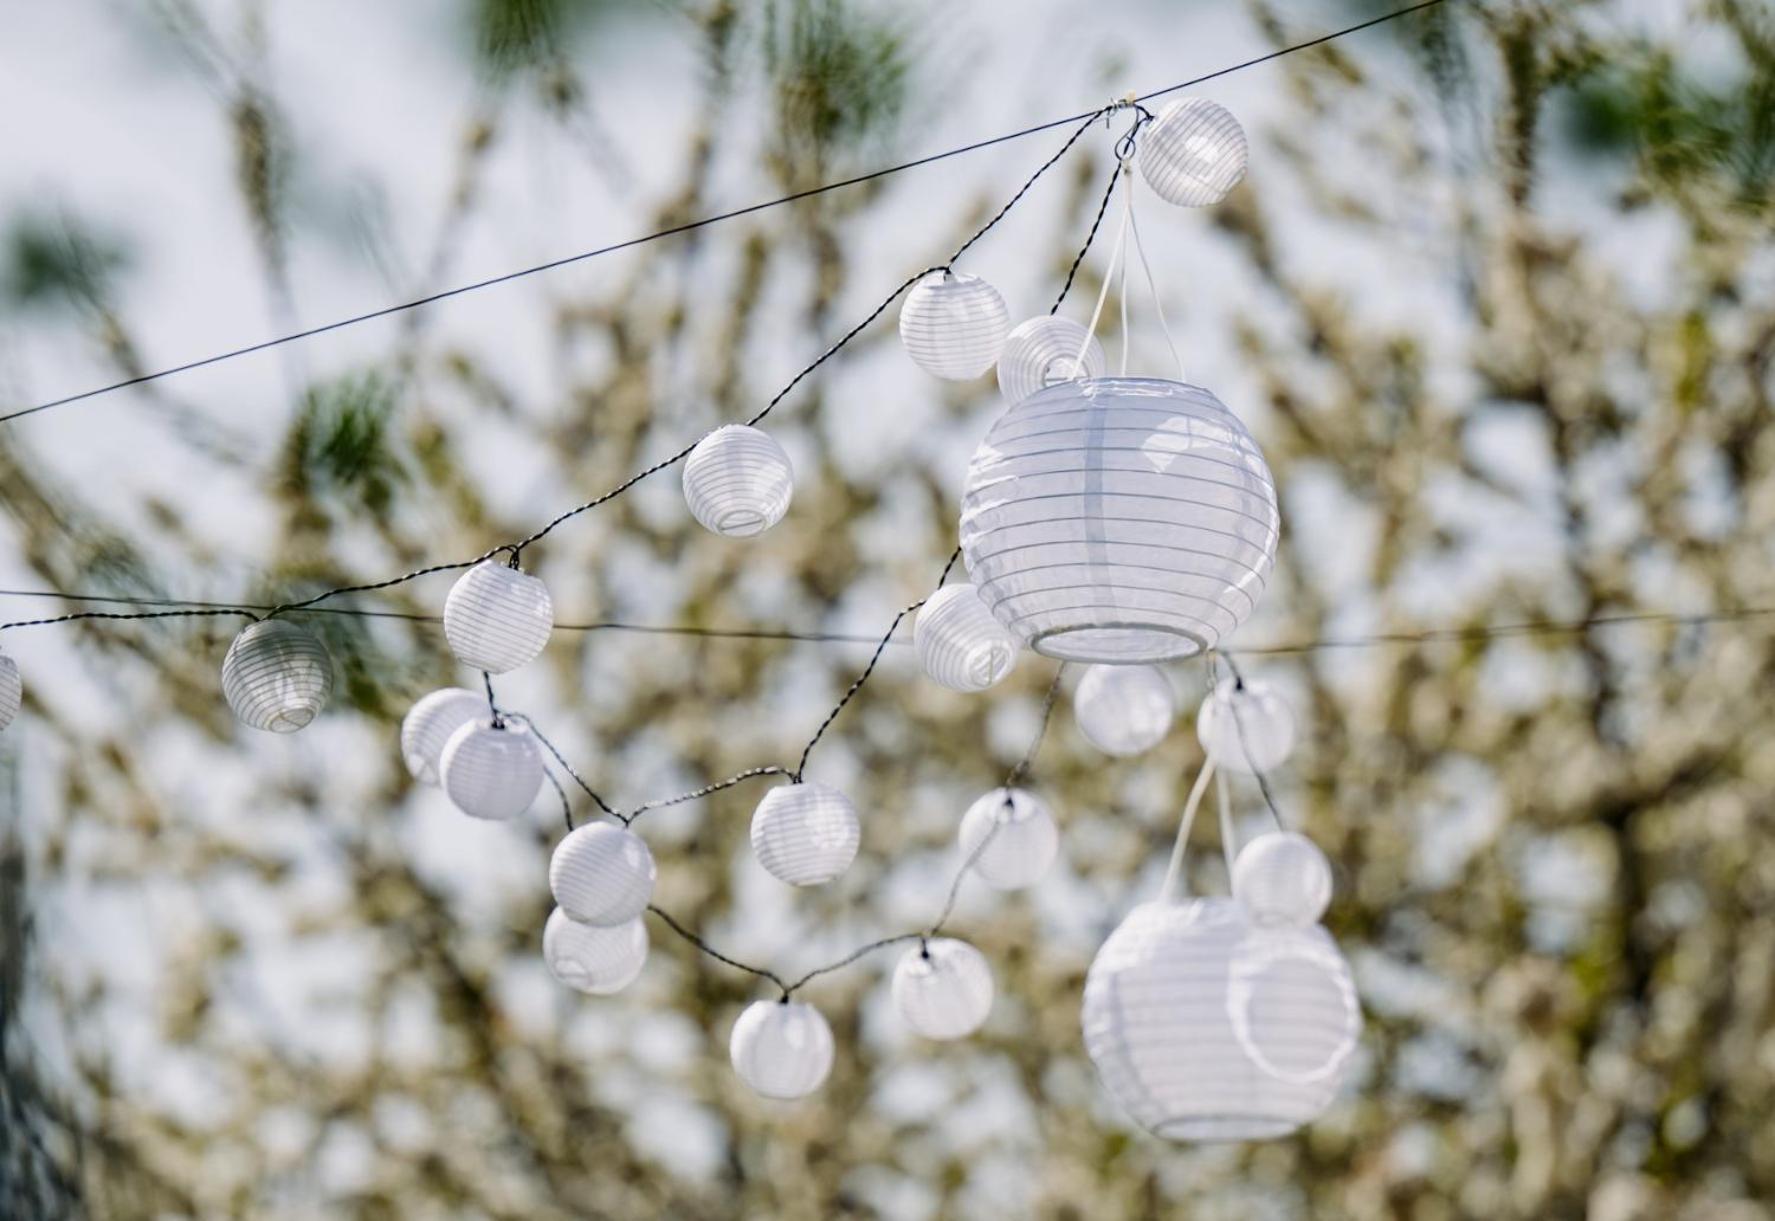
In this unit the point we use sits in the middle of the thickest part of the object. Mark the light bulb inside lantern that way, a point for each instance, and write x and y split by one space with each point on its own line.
491 771
1282 879
953 325
738 481
960 645
782 1049
1124 710
12 690
429 726
276 676
943 988
805 834
592 959
602 874
1246 727
1044 352
1194 153
1010 836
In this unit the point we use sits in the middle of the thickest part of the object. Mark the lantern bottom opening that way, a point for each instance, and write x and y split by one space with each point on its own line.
291 720
741 523
1208 1129
1118 644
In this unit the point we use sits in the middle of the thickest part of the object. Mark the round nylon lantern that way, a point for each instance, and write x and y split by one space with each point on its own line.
497 618
491 771
1282 879
960 645
1044 352
12 690
429 726
1246 727
805 834
1194 153
590 959
1011 838
782 1049
1123 710
276 676
738 481
943 989
1119 520
1180 996
602 874
953 325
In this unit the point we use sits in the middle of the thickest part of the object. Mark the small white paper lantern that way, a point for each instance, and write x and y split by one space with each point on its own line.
960 645
953 325
590 959
782 1049
738 481
1181 993
602 874
491 772
943 989
1044 352
1123 710
12 690
806 833
1120 520
1019 837
276 676
1194 153
1246 727
497 618
429 726
1282 879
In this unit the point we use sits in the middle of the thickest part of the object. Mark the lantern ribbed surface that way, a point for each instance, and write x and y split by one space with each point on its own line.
944 989
1282 879
805 834
1246 726
960 645
953 325
1123 710
491 772
1180 996
590 959
497 618
12 690
1018 834
782 1049
1119 520
276 676
1194 153
738 481
602 874
429 725
1044 352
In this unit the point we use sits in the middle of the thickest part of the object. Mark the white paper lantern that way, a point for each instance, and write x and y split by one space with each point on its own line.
1246 727
738 481
12 690
602 874
1119 520
1282 879
1019 837
943 989
1194 153
1044 352
782 1049
806 833
429 726
497 618
1181 993
960 644
276 676
1123 710
591 959
491 772
953 325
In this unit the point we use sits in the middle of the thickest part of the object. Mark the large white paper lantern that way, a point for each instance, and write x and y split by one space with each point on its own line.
497 618
491 771
1123 710
12 690
782 1049
1119 520
1246 727
1180 996
953 325
1194 153
429 726
943 989
592 959
276 676
1044 352
602 874
738 481
1010 836
960 644
806 833
1282 879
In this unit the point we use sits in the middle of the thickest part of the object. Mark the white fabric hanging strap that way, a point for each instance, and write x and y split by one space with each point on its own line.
1109 276
1174 887
1152 287
1229 845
